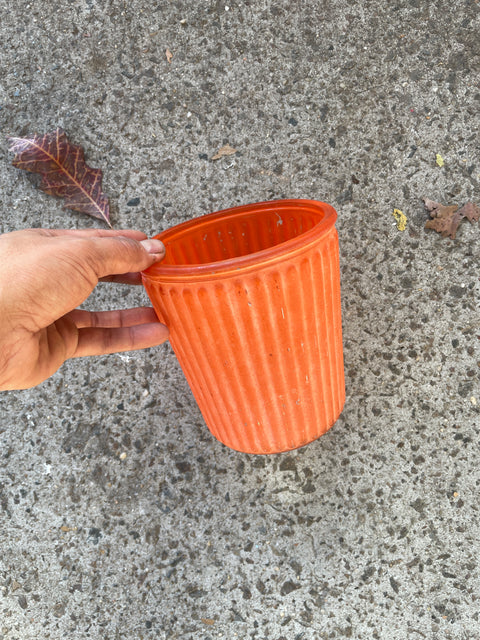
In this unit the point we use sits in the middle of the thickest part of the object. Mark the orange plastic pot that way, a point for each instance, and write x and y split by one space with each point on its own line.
251 296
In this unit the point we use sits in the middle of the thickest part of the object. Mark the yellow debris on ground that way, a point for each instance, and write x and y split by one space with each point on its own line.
401 219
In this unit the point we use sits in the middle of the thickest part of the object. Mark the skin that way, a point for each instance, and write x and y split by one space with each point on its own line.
45 274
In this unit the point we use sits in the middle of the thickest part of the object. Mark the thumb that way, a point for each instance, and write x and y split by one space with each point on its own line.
119 254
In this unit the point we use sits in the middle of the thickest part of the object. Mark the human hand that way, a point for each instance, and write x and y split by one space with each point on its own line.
44 275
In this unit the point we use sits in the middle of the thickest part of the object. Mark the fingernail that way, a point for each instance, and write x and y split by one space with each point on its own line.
153 246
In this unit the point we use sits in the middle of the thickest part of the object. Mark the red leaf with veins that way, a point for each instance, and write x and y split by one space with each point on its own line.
64 172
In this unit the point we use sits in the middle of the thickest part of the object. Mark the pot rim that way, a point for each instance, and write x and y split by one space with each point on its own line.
168 272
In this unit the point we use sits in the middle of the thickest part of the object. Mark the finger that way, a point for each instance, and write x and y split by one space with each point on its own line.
109 256
112 319
89 233
100 341
124 278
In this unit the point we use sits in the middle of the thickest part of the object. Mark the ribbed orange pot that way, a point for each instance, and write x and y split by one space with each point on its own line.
251 296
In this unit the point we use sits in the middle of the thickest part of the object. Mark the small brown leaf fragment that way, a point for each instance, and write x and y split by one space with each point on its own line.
64 172
169 55
227 150
442 218
446 218
438 210
208 621
471 211
15 585
445 226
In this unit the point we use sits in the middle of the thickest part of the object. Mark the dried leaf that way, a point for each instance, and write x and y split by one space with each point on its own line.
438 210
471 211
64 172
442 218
207 621
227 150
15 585
445 219
401 219
169 55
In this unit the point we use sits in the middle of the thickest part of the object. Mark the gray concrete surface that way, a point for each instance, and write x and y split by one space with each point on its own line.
372 531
